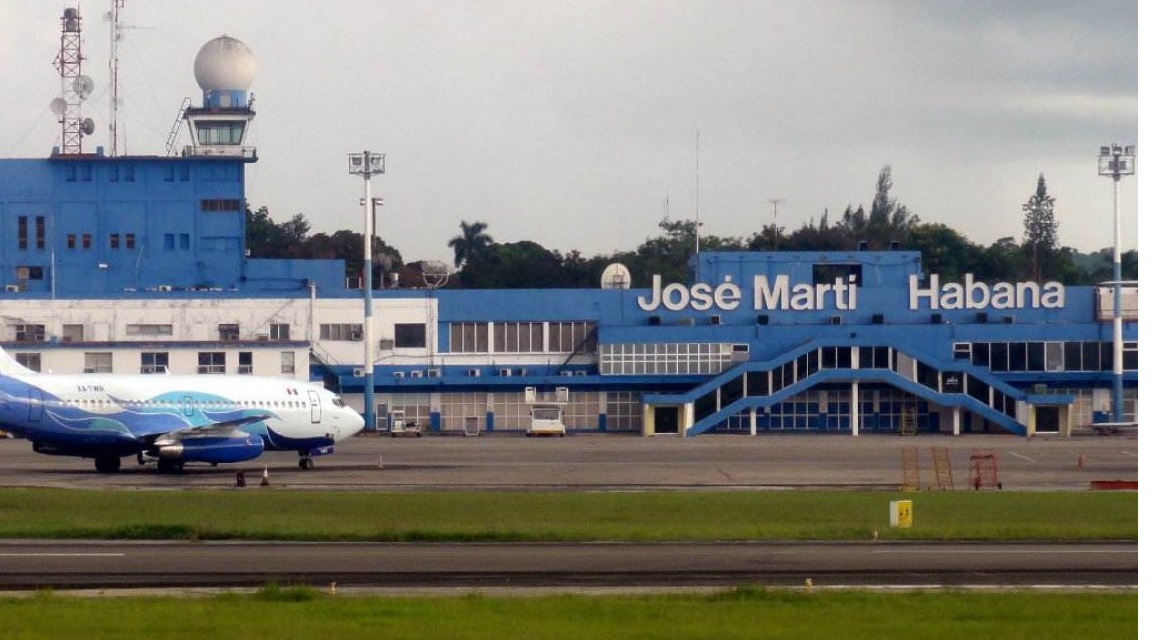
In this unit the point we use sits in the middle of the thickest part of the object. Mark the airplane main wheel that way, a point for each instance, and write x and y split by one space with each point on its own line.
306 463
169 466
107 464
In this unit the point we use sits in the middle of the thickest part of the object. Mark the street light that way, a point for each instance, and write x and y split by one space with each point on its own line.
1116 161
367 164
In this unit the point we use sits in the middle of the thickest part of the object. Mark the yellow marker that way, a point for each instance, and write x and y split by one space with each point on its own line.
900 514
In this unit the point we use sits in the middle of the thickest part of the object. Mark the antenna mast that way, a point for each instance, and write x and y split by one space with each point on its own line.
74 87
114 73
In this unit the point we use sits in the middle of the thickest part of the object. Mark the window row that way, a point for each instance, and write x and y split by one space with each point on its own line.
662 358
156 362
225 332
1045 356
522 337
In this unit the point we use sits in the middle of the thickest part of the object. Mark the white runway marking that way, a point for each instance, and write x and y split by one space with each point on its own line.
1021 456
62 555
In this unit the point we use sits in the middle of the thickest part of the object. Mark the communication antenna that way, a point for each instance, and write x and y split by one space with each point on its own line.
75 87
115 34
775 224
615 276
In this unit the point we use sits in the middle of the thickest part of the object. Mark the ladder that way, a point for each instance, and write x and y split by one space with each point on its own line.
942 463
176 126
908 425
910 457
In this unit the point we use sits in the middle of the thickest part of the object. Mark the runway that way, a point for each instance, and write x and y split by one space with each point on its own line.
111 565
590 462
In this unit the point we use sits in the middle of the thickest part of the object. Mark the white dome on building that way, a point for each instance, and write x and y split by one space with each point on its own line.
225 64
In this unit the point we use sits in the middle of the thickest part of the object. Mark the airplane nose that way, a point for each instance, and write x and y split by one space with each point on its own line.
357 422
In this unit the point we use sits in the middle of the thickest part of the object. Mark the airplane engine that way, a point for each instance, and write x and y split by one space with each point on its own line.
212 449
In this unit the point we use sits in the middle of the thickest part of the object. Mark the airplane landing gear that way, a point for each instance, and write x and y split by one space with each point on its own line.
305 462
107 464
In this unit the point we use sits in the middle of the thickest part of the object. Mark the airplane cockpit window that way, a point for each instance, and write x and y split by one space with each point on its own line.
338 402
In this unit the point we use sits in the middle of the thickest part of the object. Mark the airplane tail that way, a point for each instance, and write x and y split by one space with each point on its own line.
9 366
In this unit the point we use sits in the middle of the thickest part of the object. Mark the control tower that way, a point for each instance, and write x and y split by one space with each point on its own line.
224 70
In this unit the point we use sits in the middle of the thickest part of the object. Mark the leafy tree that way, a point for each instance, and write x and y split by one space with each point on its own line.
519 265
944 251
1040 242
888 221
1003 260
471 241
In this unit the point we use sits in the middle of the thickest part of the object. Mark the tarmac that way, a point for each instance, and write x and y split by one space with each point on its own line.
612 462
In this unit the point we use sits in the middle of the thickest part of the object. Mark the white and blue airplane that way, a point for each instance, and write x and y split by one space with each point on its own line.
171 419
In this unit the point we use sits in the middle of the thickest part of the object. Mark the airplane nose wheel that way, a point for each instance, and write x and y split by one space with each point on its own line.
306 463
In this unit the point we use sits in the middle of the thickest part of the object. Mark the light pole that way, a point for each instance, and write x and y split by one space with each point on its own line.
367 164
1116 161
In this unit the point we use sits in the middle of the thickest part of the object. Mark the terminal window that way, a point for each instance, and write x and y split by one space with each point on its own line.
27 332
154 362
410 336
210 362
29 360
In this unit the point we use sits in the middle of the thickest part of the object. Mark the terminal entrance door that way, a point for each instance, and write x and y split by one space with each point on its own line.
667 420
1047 419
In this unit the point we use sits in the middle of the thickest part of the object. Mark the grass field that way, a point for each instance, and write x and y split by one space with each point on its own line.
748 612
269 514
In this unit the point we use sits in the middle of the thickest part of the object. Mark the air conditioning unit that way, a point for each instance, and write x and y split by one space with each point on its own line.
836 320
262 337
566 374
357 335
397 374
433 373
357 373
522 372
417 374
12 288
387 345
164 287
581 373
505 373
473 373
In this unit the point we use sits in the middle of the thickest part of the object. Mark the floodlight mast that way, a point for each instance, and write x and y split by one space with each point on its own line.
367 164
1116 161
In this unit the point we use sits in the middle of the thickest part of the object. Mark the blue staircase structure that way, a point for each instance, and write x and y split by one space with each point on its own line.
972 388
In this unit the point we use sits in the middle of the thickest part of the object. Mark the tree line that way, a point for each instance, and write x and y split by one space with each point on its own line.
482 262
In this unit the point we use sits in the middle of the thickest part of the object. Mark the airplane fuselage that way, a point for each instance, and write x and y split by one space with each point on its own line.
174 418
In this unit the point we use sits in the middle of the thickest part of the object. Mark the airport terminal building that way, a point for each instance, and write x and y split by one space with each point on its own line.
137 264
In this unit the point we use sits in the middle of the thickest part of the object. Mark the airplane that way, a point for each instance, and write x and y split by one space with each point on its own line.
170 418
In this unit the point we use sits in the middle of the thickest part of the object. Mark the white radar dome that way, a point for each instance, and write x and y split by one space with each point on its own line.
225 64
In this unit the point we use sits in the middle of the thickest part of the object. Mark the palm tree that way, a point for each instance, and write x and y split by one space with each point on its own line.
471 241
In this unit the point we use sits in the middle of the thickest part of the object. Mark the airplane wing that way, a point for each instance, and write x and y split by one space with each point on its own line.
215 429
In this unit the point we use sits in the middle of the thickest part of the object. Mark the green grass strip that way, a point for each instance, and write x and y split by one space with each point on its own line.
271 514
749 612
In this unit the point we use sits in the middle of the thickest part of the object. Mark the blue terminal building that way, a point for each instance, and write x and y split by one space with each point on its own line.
137 264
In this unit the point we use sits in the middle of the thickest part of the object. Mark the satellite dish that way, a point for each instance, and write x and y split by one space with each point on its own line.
87 126
616 276
435 274
83 86
58 106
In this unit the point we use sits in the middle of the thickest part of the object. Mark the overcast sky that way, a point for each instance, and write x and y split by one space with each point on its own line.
572 123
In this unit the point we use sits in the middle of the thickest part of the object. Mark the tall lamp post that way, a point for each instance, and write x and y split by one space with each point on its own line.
1116 161
367 164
